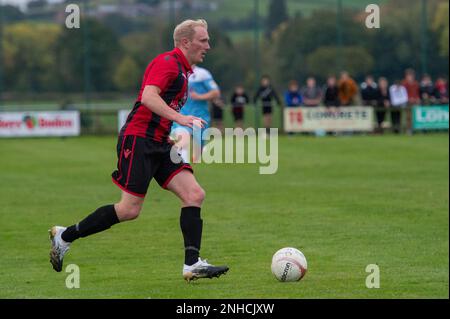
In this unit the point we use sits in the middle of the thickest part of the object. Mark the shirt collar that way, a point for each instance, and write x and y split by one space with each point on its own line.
184 61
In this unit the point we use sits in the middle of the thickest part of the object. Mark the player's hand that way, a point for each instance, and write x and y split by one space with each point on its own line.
194 95
190 121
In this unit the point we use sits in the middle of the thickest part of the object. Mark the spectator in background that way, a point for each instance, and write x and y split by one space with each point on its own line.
383 102
369 92
331 96
293 97
412 87
413 90
217 106
266 93
347 89
427 91
399 100
441 86
311 93
238 101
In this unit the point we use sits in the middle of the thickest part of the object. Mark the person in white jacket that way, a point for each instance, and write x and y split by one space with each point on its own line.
399 100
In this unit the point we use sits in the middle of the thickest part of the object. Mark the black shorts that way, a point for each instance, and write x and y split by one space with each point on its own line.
217 112
238 113
267 110
140 159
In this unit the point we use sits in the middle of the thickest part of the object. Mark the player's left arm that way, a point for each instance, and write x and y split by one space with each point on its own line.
211 95
213 91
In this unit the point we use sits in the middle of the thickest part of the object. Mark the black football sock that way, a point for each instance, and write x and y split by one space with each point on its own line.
100 220
191 226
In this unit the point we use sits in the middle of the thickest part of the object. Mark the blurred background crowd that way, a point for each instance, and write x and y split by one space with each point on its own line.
298 47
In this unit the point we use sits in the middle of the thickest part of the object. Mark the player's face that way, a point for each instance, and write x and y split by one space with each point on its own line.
199 45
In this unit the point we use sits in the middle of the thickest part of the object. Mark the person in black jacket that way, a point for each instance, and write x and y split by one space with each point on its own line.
266 93
369 92
331 97
428 93
238 101
384 102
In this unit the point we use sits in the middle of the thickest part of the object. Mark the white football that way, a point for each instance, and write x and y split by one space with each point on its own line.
289 264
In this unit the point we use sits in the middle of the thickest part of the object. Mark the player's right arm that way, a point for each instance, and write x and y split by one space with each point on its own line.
152 100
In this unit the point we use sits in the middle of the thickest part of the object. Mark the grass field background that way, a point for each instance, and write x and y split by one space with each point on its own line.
346 202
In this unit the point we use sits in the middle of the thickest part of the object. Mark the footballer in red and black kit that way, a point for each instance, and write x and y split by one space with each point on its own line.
150 132
145 152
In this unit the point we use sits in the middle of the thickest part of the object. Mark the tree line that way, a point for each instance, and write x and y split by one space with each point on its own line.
41 57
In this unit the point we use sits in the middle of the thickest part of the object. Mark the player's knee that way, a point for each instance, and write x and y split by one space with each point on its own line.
128 211
195 196
133 213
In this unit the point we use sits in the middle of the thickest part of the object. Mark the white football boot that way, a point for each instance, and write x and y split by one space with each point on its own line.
202 269
59 247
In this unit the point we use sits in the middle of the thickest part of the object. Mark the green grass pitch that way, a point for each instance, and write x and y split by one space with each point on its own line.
346 202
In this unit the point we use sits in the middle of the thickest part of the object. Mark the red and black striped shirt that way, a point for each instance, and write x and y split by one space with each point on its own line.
170 72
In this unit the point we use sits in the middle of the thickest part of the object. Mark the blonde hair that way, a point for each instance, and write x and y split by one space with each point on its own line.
186 29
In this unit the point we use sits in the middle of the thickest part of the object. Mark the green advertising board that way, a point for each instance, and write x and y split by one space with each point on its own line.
430 117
